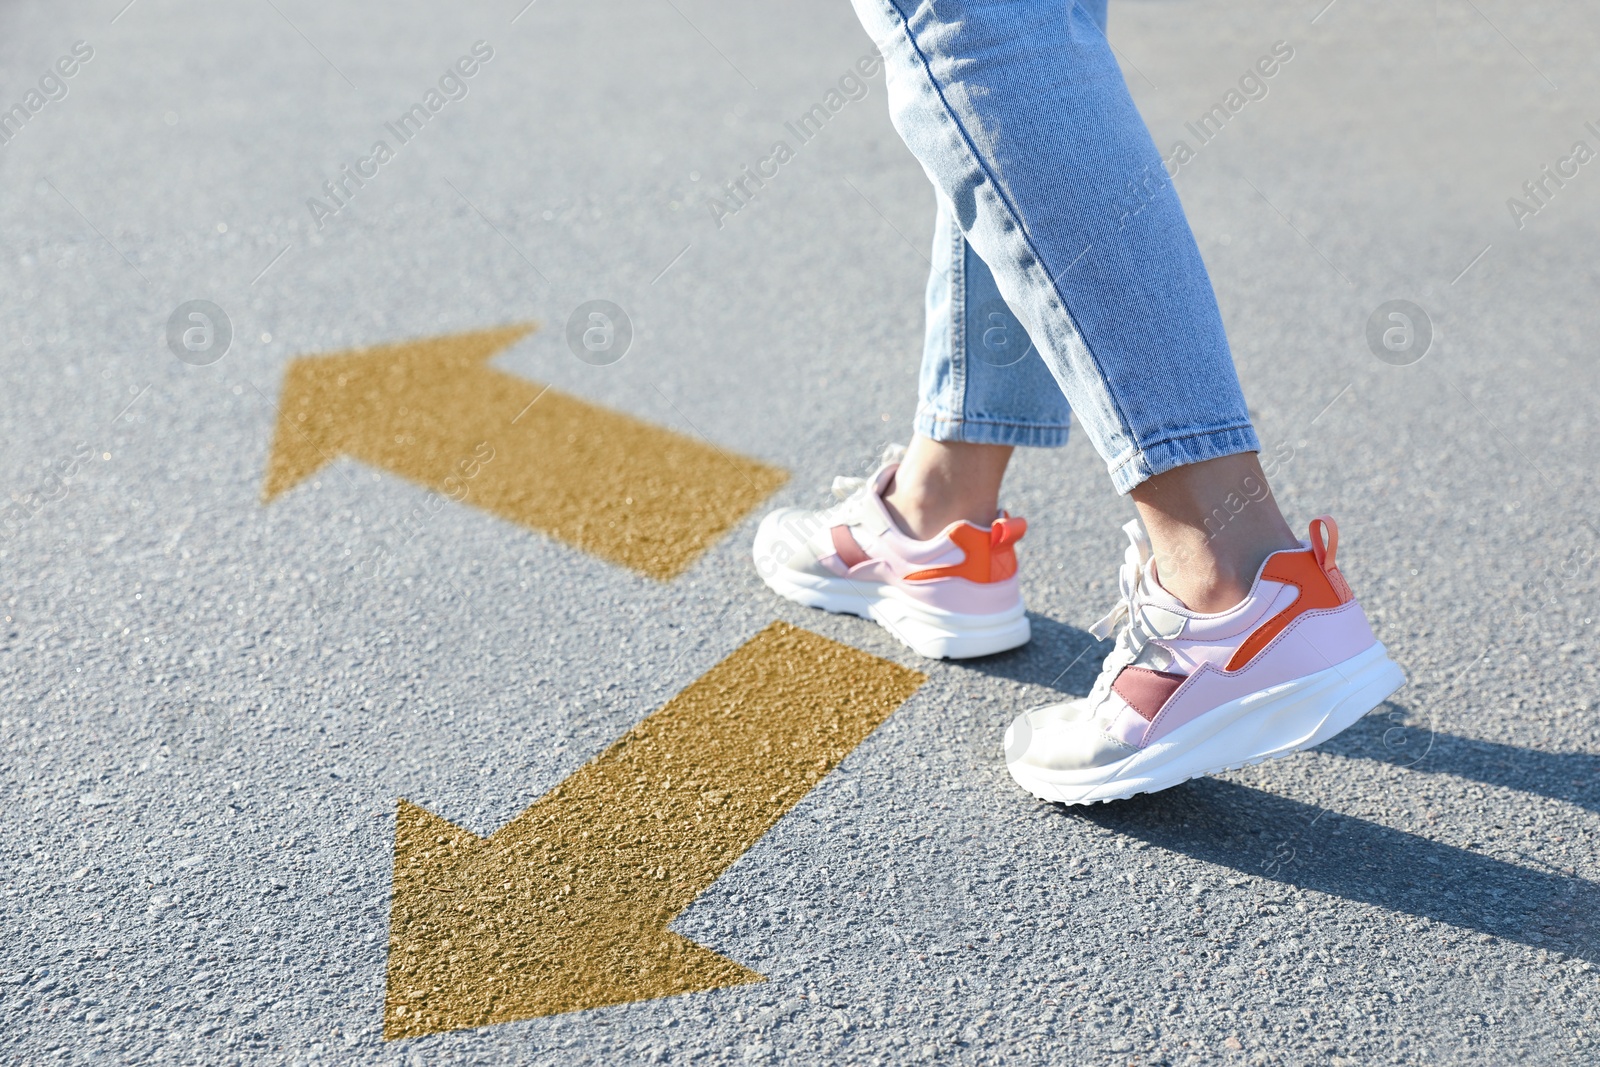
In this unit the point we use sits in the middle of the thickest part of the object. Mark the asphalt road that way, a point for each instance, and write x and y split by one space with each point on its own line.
212 705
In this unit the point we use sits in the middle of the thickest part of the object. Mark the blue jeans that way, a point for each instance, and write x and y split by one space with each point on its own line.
1058 231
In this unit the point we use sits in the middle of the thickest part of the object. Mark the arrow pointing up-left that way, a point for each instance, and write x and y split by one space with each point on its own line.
434 412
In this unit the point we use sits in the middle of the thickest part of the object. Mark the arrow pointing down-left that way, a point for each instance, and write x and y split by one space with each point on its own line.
567 906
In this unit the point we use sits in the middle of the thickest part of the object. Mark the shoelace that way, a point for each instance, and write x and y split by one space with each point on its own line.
1131 639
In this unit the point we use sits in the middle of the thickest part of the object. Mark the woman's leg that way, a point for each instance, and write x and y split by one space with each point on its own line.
983 390
1207 561
1235 643
1019 114
918 545
940 482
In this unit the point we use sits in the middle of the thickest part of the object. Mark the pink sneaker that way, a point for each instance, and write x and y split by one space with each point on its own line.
1184 695
952 597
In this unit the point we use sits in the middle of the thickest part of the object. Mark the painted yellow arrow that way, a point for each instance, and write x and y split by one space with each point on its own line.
567 906
432 411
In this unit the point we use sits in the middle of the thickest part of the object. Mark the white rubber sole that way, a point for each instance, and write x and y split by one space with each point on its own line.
926 631
1264 725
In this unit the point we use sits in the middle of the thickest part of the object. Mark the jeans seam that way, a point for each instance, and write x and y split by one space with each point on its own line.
977 158
1144 447
958 318
961 420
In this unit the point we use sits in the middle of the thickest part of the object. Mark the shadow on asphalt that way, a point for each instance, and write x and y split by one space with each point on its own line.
1389 736
1268 836
1058 656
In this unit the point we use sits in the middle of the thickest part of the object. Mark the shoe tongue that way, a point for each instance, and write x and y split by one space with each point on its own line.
1151 592
881 479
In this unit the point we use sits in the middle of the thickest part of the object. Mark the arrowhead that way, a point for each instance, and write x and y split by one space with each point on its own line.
336 403
491 930
568 906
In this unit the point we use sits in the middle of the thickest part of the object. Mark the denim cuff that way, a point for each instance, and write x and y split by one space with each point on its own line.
942 427
1161 456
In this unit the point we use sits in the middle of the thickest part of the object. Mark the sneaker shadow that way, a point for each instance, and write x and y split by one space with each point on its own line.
1389 735
1057 656
1268 836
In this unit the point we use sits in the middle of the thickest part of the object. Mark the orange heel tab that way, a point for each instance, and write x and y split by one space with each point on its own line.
1324 545
989 555
1006 530
1318 584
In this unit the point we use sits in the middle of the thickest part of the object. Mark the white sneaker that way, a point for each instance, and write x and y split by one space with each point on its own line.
1185 694
953 596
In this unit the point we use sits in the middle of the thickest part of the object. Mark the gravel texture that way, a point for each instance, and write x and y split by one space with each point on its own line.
211 705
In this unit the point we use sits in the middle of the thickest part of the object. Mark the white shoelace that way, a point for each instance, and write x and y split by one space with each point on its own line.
1131 639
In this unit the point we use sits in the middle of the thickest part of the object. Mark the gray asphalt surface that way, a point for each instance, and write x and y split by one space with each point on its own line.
209 706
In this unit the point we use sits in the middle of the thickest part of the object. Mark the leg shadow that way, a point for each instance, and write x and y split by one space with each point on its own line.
1058 656
1272 837
1389 736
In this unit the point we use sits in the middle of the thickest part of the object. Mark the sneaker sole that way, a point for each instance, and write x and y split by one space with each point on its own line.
1268 724
926 631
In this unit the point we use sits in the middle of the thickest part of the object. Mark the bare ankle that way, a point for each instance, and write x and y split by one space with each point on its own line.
922 510
1211 527
1205 584
941 482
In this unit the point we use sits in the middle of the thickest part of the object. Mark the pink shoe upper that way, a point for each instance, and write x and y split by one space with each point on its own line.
1172 665
967 569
